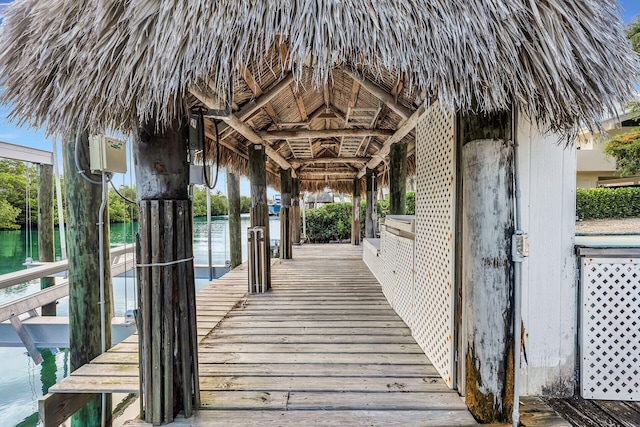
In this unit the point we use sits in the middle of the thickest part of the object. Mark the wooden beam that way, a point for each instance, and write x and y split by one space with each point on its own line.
300 102
400 133
55 408
246 131
331 160
381 94
265 98
257 91
235 230
46 250
326 133
332 174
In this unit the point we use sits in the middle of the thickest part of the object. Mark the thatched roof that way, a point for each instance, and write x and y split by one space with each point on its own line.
108 64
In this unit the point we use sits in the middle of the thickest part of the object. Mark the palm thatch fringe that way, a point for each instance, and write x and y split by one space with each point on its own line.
111 63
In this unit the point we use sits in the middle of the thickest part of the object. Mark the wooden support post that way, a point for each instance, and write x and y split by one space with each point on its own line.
355 212
259 207
166 287
45 228
372 205
235 233
295 211
83 204
285 214
398 179
487 268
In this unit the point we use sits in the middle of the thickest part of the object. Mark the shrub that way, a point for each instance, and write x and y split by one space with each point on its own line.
607 202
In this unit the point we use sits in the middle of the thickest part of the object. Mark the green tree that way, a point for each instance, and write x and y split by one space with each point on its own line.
245 204
625 149
121 210
13 186
219 203
8 215
633 34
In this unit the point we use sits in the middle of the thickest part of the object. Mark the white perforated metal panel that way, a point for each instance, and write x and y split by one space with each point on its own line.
610 337
434 253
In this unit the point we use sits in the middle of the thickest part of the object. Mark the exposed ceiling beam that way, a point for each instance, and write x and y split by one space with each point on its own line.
325 133
331 174
400 133
300 102
331 160
246 131
257 91
381 94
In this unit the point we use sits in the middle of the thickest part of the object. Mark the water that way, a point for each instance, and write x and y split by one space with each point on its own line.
22 382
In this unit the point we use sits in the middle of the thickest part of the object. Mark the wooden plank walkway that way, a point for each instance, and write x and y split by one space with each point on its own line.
322 348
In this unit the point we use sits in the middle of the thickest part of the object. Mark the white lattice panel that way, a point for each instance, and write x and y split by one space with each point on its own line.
610 337
388 248
434 253
403 292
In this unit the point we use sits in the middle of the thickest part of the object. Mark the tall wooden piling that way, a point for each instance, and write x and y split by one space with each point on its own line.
487 268
372 205
259 207
45 228
235 232
295 211
83 204
355 212
398 179
285 214
169 359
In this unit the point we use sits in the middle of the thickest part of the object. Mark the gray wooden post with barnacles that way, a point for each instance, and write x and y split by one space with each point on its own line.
295 211
167 319
487 269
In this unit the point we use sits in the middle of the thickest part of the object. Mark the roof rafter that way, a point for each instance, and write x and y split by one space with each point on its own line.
257 91
325 133
382 94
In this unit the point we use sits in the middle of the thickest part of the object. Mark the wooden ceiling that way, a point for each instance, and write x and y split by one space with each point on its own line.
325 135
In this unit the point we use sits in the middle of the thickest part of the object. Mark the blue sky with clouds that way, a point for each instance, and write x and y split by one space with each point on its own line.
36 138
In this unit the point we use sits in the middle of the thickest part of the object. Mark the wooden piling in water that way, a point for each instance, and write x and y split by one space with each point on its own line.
45 228
83 204
286 248
235 232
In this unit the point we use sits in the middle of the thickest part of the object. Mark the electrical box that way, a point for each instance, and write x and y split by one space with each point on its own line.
107 154
196 132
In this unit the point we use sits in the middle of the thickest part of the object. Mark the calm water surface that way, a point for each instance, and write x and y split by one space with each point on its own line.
21 381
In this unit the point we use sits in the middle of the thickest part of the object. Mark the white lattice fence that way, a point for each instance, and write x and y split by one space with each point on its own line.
610 337
434 252
388 249
403 295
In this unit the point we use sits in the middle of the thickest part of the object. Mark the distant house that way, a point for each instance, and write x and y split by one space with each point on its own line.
596 169
317 200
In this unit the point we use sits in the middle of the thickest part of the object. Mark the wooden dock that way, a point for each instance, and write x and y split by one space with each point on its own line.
323 348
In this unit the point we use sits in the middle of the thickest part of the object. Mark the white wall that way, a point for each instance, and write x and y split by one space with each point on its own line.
548 182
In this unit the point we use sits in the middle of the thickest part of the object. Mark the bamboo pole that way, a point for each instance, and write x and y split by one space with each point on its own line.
45 228
398 179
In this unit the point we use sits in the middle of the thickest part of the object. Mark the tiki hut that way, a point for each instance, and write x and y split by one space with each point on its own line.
300 81
307 95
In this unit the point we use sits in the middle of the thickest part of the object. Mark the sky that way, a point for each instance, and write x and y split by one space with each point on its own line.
11 133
